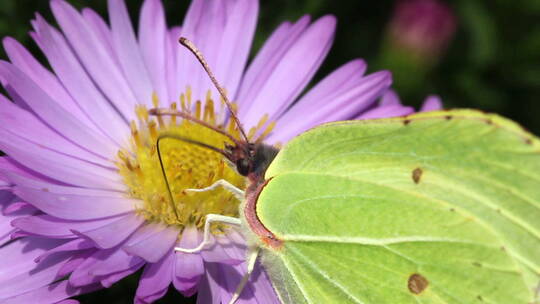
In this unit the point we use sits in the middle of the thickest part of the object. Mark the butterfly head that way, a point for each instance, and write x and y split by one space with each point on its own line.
250 159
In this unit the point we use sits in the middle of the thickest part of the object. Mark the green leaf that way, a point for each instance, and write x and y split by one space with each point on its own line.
439 207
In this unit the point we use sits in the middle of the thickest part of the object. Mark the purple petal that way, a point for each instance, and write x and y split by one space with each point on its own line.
47 81
341 106
292 73
101 29
19 234
188 267
153 38
93 54
101 261
224 279
18 208
171 44
258 290
236 41
79 84
432 103
152 246
206 32
109 280
6 229
155 280
10 168
128 52
51 294
229 248
9 214
25 125
112 234
268 58
58 166
18 174
20 254
345 78
185 67
208 291
234 244
6 197
55 116
115 262
386 111
47 225
4 183
18 271
76 203
75 245
74 261
390 98
69 301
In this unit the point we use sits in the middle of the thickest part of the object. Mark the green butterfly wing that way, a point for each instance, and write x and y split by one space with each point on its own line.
439 207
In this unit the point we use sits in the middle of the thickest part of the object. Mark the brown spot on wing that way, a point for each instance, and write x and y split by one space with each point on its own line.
417 283
406 122
416 175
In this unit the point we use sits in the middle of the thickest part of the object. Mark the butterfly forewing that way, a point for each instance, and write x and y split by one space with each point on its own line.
440 207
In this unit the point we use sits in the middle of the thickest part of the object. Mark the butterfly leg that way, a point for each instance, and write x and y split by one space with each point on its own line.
210 218
252 259
238 193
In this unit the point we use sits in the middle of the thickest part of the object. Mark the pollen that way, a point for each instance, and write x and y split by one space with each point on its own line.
185 165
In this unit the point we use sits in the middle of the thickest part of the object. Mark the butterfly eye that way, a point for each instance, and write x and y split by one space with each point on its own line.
242 166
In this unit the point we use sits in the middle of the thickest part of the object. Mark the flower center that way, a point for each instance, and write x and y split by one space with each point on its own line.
186 165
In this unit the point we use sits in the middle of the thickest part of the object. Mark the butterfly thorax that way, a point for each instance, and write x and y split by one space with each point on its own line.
260 157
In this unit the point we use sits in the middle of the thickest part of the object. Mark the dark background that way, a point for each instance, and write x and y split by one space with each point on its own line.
492 63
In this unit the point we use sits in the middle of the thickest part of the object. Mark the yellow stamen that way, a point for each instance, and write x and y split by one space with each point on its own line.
198 109
173 118
155 102
266 132
188 96
183 102
141 112
135 134
153 130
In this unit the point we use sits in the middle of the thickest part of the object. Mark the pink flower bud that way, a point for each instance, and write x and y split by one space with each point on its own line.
422 27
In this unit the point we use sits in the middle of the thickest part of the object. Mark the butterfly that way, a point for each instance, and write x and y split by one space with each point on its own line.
436 207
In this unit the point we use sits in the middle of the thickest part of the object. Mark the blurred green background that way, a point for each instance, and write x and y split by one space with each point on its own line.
492 62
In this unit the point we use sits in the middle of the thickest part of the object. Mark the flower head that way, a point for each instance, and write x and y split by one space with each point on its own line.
83 196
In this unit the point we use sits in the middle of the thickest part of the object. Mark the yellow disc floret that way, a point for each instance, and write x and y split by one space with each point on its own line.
186 165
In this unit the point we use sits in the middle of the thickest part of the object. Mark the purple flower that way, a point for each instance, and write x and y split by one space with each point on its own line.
83 199
422 27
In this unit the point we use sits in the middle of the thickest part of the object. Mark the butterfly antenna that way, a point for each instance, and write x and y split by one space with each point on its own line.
193 49
171 199
186 116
